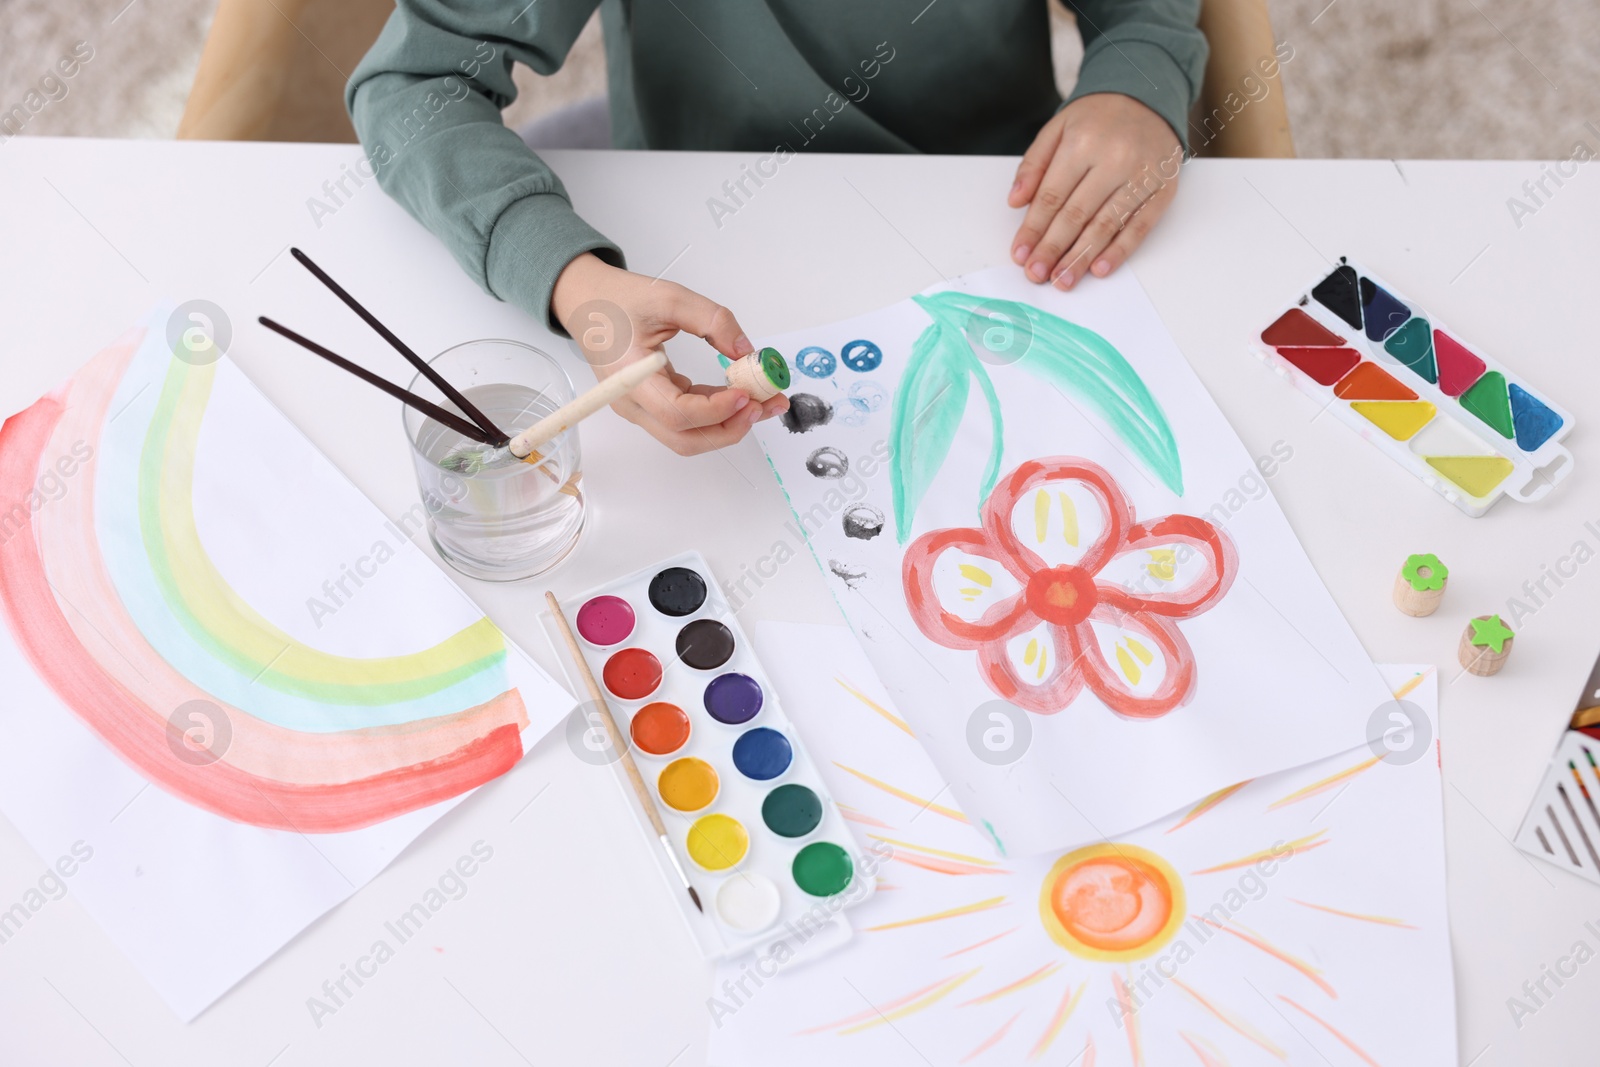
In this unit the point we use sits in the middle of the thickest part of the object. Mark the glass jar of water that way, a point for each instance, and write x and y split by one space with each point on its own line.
508 520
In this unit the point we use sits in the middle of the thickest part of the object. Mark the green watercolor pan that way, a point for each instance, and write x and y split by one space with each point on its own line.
746 810
1471 429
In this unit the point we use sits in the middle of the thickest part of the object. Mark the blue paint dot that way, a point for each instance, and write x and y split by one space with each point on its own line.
815 362
762 754
861 355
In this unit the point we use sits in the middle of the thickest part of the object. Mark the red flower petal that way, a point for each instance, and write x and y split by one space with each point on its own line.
1046 697
922 600
1010 489
1112 689
1222 565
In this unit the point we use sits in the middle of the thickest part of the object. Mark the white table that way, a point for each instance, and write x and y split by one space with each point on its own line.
550 958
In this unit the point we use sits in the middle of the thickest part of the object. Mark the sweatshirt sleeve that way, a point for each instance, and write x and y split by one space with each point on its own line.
1151 50
426 104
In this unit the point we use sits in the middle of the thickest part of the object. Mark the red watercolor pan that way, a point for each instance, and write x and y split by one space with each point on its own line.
632 674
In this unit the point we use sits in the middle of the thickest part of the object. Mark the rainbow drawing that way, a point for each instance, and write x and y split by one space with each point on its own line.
111 593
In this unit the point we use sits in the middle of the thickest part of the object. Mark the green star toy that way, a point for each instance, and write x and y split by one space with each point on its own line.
1491 633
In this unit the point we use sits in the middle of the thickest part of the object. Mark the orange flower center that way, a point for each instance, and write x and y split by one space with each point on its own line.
1061 595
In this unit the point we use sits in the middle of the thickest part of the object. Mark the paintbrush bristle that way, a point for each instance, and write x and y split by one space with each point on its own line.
471 461
696 898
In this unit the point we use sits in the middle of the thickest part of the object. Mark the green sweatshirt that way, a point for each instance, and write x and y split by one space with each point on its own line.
952 76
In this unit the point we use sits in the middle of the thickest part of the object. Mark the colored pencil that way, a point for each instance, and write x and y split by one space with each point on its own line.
1577 822
635 779
1587 799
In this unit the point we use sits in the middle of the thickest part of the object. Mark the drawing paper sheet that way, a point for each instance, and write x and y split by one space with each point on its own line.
1310 920
1117 573
229 679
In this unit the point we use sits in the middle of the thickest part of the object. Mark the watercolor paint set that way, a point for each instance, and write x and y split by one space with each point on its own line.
1471 429
1563 823
746 811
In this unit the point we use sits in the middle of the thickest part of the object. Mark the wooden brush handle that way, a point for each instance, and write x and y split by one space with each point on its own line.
641 790
581 407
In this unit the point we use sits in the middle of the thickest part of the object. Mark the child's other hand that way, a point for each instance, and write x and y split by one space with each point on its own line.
1095 180
617 317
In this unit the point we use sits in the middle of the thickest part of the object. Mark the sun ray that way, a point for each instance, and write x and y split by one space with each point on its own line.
875 706
861 817
993 1039
874 1011
1063 1012
1129 1015
1233 1022
1088 1055
948 913
980 944
1411 683
939 866
909 798
1030 979
1381 920
881 1017
1207 804
1210 1056
1351 1045
962 856
1298 845
1250 937
1325 784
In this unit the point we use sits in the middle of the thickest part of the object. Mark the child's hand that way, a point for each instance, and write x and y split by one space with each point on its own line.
1095 180
617 317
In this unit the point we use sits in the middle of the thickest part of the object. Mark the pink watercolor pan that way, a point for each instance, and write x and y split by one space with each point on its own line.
604 621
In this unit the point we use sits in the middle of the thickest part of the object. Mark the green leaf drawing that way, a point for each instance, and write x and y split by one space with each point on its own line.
932 394
928 405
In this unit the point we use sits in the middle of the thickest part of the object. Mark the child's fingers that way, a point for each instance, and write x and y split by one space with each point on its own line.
673 408
1081 211
1134 233
1035 161
1063 176
694 441
1100 232
706 318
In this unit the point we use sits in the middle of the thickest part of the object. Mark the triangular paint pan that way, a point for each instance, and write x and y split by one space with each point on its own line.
1340 293
1399 419
1458 368
1383 313
1322 365
1412 344
1371 382
1474 475
1295 327
1534 421
1488 400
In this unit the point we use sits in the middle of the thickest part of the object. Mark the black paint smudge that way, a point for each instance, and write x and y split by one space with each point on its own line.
828 462
806 412
863 522
846 573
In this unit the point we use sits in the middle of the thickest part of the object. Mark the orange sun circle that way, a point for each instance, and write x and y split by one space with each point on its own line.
1112 902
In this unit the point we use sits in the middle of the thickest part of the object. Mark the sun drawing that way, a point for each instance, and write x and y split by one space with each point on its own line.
1032 957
